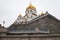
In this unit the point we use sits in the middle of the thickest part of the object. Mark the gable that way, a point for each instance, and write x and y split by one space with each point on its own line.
46 21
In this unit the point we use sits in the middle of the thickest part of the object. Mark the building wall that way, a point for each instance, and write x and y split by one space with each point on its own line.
44 37
48 22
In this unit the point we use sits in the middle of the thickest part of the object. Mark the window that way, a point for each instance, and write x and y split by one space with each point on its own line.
43 30
30 10
27 30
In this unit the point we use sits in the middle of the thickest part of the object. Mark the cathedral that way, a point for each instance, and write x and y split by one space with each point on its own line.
32 27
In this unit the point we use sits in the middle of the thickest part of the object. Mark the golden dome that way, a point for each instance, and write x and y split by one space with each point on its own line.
42 13
31 6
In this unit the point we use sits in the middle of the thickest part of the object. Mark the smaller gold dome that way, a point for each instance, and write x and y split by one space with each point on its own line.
31 6
42 13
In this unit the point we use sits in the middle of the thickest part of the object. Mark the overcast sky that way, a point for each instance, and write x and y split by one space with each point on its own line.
10 9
